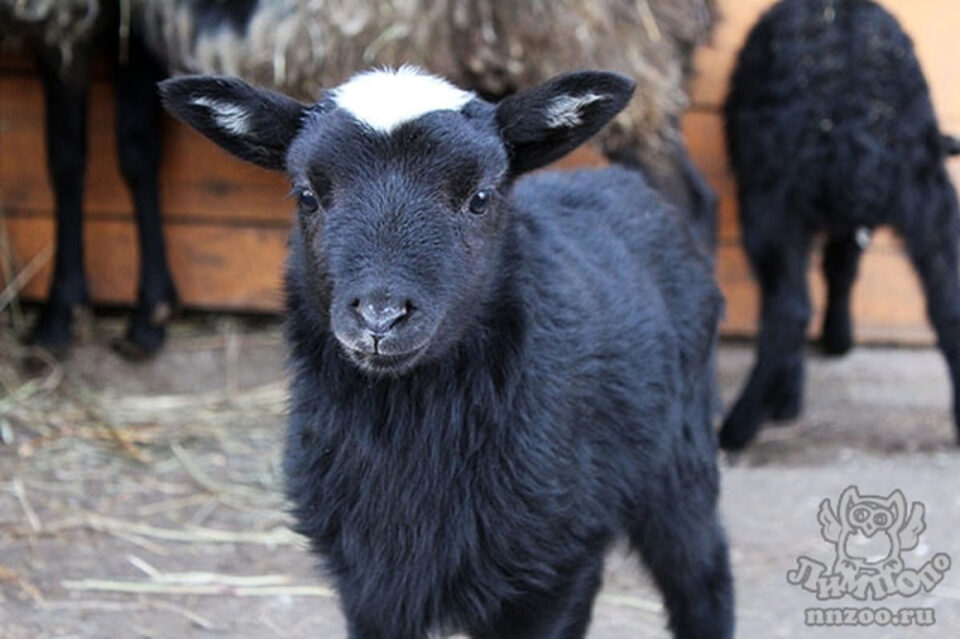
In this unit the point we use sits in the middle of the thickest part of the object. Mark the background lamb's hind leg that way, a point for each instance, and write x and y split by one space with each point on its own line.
685 549
66 96
775 386
935 258
138 141
840 260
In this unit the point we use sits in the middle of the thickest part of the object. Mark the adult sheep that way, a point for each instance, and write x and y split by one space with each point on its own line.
838 84
299 47
493 378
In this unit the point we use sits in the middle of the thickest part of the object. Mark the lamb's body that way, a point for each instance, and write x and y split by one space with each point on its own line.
554 427
493 378
829 109
831 129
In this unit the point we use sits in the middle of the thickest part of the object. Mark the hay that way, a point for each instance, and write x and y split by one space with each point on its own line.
10 274
165 476
218 589
17 280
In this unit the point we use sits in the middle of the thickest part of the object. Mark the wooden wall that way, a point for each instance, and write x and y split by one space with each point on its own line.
227 222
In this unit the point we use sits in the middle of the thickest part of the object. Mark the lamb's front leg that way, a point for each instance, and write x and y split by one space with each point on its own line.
779 258
561 613
66 92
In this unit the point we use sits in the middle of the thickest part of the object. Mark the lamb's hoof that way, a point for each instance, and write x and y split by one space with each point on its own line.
785 407
836 346
739 429
146 333
837 338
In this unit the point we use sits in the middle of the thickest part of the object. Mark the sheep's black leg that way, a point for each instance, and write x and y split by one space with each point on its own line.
775 386
840 260
66 96
562 613
138 142
935 258
686 552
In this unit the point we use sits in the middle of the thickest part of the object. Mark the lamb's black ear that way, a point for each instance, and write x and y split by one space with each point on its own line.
254 124
545 123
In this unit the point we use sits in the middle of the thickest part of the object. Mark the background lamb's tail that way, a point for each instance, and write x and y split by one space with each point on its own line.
950 144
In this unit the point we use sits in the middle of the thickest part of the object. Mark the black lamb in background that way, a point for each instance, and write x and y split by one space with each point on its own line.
831 130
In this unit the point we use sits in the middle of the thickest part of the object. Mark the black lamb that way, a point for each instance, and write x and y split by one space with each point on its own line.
831 130
493 380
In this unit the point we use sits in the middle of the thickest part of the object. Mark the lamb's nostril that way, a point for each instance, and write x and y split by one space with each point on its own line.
381 318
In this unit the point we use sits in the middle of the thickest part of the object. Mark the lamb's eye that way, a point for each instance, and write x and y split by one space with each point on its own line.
479 202
308 201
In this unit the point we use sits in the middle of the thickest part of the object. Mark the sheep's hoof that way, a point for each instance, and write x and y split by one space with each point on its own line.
132 350
52 336
146 334
55 329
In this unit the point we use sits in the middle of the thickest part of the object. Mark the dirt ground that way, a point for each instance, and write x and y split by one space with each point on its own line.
141 500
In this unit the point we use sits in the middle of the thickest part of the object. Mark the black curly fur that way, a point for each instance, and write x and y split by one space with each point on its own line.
831 129
547 387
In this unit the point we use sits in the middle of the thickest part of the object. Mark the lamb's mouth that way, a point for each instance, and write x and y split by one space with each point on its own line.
392 364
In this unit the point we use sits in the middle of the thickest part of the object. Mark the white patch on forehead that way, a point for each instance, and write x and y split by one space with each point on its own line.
564 111
231 117
385 98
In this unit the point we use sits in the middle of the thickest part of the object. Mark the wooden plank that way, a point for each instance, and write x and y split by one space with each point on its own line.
16 60
198 181
703 130
214 266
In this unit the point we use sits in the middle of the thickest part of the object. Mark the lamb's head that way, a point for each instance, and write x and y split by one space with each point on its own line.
401 181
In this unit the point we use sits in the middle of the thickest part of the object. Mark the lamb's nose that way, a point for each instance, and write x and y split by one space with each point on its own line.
380 315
